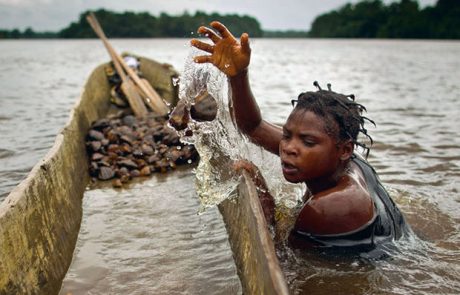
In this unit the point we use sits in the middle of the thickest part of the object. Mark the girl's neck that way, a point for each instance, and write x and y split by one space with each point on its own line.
321 184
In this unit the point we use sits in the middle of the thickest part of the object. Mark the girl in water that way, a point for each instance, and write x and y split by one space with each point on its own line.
345 204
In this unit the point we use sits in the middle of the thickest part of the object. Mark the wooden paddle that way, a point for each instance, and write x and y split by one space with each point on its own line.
127 85
151 97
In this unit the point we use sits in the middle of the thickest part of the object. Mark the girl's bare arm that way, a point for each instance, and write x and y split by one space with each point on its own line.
232 57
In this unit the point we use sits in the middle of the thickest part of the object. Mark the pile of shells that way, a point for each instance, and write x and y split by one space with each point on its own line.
123 147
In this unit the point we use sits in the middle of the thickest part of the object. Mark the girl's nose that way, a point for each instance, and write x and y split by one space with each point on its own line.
289 148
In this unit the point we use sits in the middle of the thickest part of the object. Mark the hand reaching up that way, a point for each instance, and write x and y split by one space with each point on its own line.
226 53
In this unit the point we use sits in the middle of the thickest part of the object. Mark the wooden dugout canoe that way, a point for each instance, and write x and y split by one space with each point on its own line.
252 245
40 218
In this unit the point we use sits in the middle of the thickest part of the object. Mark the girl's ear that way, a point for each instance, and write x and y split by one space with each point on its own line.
346 149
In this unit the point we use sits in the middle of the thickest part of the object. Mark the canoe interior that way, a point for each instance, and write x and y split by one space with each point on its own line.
40 218
252 245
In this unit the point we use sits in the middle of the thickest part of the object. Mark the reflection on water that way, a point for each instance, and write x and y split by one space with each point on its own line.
409 87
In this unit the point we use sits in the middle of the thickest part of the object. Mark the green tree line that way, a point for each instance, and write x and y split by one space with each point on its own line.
144 25
28 33
404 19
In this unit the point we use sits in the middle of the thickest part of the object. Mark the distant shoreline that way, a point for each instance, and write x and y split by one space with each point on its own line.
367 19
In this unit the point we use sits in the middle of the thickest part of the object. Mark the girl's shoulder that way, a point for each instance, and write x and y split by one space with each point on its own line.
346 208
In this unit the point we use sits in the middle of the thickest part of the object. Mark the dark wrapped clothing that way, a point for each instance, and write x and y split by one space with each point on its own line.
388 223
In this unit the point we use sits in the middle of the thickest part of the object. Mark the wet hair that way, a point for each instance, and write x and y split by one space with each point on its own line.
339 108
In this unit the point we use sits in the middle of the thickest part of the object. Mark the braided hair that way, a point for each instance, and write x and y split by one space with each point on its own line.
339 108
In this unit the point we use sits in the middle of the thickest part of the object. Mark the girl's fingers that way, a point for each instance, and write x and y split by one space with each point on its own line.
202 45
238 165
224 32
209 33
202 59
244 40
243 165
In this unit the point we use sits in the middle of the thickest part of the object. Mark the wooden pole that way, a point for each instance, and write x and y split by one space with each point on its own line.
152 98
127 85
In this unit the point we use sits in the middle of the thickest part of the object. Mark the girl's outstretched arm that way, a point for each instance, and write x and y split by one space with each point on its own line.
232 57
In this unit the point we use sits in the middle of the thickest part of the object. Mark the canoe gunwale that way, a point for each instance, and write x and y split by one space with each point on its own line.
252 245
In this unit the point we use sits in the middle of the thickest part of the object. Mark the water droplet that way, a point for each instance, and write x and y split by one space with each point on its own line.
226 66
189 161
178 147
175 81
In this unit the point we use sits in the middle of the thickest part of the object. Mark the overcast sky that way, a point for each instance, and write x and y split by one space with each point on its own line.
54 15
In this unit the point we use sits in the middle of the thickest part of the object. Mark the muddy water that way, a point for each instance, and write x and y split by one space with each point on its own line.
150 240
411 89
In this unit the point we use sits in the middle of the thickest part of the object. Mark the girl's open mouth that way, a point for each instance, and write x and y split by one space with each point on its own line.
288 168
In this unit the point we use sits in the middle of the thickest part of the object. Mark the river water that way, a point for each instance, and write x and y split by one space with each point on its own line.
410 88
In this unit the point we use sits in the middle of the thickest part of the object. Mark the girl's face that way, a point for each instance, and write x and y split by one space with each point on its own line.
308 153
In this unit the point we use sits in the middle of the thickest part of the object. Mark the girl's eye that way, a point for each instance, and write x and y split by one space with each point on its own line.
308 143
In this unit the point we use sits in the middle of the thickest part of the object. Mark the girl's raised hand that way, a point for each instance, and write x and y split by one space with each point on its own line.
227 53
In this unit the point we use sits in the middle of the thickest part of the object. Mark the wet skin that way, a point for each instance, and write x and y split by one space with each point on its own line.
308 154
340 201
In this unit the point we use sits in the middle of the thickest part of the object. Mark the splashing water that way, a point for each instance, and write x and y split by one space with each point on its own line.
220 144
